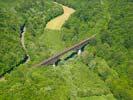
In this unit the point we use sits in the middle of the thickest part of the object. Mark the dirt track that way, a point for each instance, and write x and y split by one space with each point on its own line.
57 23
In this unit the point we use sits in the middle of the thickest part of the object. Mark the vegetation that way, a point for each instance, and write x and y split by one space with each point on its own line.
104 70
14 16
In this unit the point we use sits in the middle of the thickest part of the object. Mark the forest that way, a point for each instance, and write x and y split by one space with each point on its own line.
14 16
104 70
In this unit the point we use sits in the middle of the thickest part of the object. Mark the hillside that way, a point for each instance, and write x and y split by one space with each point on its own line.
13 17
103 71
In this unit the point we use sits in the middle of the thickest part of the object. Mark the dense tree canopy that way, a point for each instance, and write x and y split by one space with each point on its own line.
14 16
103 71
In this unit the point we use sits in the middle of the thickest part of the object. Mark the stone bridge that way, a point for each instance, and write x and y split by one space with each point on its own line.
77 47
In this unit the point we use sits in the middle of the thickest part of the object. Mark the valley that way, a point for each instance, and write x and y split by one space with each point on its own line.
87 69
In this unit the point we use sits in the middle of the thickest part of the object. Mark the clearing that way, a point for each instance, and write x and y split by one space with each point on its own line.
57 23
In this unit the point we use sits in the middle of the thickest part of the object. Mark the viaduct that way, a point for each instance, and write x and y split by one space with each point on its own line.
77 47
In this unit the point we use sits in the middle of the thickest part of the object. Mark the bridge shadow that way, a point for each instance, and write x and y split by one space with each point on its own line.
70 56
67 58
57 62
74 54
